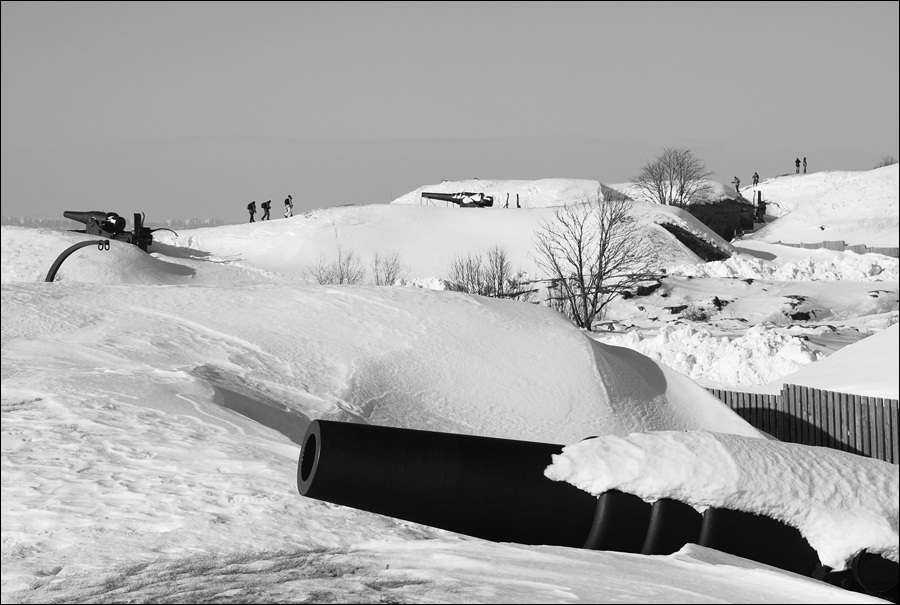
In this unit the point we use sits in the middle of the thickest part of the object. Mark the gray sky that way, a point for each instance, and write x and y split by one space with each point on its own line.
192 109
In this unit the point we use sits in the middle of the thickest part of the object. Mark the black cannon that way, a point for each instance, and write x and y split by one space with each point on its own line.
112 226
495 489
464 199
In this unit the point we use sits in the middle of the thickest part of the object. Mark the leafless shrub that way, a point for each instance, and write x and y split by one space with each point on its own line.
488 275
467 275
887 160
387 268
346 268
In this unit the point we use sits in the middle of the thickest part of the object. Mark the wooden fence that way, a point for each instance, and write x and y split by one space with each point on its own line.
866 426
840 246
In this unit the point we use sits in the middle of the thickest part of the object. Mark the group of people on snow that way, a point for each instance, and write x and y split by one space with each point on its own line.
797 163
267 206
737 182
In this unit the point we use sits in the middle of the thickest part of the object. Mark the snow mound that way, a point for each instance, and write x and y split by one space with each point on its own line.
856 207
760 355
408 357
810 488
859 368
849 266
28 254
427 238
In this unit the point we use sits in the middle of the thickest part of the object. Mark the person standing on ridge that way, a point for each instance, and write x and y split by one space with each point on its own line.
251 208
266 206
797 164
737 184
755 179
288 207
804 165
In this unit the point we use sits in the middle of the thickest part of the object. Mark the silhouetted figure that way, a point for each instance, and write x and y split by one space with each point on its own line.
755 179
737 184
288 207
804 165
797 164
266 206
760 210
251 208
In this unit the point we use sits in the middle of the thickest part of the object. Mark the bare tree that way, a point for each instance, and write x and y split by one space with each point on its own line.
498 272
674 178
887 160
467 274
345 269
593 252
387 268
491 276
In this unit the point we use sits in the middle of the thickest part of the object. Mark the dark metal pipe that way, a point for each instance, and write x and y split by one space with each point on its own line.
493 489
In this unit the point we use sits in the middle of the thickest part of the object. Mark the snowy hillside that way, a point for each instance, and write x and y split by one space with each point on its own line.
426 237
856 207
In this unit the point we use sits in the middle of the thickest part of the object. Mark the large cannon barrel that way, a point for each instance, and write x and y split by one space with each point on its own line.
495 489
456 198
86 217
98 222
489 488
474 199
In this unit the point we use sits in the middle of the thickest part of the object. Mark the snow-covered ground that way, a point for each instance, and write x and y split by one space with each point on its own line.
152 406
856 207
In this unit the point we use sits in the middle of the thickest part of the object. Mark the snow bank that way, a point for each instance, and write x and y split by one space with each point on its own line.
868 367
856 207
849 266
815 489
760 355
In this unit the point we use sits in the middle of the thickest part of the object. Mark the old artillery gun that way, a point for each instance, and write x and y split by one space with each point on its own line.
495 489
108 225
464 199
112 226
